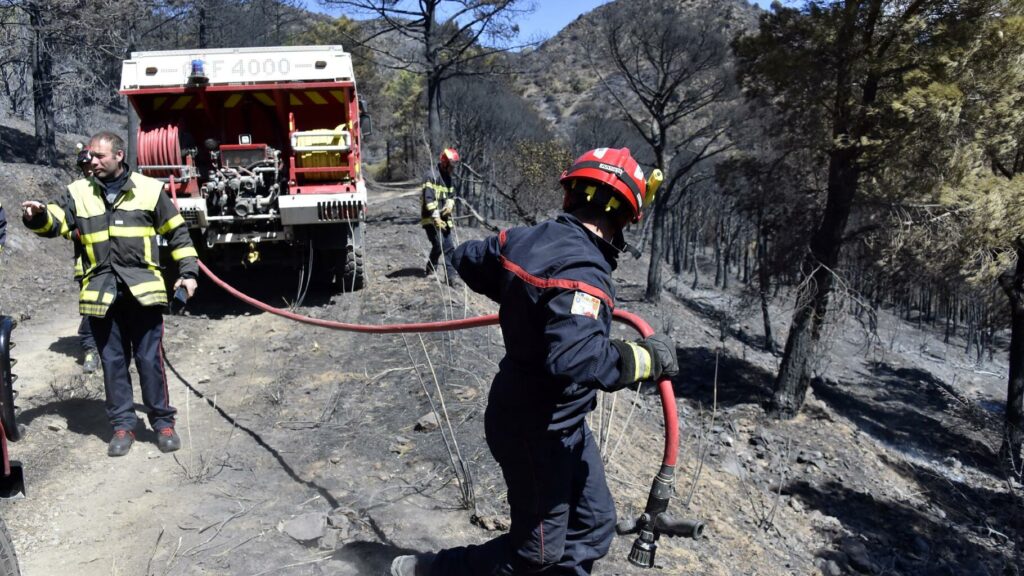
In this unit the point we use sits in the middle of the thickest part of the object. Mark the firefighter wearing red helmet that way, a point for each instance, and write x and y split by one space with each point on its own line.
436 212
553 284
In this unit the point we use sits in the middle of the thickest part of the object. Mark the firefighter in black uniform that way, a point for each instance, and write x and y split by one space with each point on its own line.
436 208
116 215
555 293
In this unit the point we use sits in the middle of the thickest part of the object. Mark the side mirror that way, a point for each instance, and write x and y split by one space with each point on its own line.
365 125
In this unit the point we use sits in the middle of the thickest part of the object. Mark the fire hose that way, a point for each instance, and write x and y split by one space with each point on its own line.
654 522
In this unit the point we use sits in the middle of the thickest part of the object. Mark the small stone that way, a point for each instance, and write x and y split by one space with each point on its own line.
491 523
305 528
427 423
57 424
329 541
830 568
857 552
809 457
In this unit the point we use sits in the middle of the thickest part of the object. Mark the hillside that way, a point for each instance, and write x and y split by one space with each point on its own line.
562 76
307 451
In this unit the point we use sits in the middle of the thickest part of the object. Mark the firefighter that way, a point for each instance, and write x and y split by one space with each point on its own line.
436 208
117 214
553 284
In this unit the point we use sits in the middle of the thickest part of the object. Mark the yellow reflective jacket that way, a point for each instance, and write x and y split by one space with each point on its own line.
119 241
437 191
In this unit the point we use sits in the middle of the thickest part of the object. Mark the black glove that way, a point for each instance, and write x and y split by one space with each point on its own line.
663 353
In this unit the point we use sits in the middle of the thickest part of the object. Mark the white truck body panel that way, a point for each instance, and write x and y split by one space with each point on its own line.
237 66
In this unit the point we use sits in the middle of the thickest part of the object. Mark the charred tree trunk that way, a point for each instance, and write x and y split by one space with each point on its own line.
42 87
1013 438
434 114
763 285
653 290
816 290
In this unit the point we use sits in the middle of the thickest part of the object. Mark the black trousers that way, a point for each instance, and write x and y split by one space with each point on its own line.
130 330
563 515
441 243
85 338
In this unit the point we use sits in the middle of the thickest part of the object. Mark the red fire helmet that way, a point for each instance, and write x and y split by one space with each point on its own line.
448 157
615 168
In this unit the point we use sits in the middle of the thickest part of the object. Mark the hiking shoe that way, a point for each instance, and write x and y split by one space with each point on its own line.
412 565
167 439
91 362
121 443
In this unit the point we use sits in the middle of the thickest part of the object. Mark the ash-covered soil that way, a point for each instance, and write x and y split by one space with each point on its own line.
308 451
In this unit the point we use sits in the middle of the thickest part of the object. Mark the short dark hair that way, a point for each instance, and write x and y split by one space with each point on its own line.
116 142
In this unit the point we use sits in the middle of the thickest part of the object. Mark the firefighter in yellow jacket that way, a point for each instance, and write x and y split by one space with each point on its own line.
116 215
437 202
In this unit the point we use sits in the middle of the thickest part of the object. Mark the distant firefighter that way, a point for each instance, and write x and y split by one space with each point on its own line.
436 210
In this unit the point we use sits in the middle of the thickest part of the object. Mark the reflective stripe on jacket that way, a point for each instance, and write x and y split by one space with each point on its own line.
436 191
119 241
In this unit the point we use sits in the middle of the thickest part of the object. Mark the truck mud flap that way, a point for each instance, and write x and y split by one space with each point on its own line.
12 486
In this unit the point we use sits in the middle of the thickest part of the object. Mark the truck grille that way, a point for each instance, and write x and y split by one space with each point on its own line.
191 216
337 210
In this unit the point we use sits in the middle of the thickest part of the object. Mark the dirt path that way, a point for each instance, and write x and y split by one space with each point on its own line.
147 512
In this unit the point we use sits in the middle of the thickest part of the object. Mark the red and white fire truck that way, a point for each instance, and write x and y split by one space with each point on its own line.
261 147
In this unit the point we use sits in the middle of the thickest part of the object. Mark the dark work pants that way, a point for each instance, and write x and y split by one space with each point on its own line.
131 330
85 338
441 243
563 516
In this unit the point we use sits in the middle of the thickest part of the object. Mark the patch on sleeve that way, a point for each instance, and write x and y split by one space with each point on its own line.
584 304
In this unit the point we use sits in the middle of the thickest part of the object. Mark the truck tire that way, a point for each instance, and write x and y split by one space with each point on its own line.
8 558
8 413
352 277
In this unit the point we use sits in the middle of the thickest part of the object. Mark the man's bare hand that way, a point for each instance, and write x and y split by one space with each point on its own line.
190 285
30 208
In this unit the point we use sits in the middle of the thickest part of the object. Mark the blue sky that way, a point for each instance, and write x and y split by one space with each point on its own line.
553 15
550 15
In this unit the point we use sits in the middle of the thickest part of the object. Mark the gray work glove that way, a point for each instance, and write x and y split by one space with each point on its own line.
663 353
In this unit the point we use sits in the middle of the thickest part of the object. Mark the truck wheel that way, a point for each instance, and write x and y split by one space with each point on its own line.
8 415
352 277
8 558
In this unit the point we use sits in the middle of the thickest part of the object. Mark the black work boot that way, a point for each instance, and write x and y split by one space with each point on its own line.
91 362
167 440
121 443
412 565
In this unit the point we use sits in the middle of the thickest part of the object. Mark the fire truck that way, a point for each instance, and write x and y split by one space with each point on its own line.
261 149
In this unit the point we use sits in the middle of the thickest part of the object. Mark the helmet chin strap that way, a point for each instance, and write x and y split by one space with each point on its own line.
620 244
